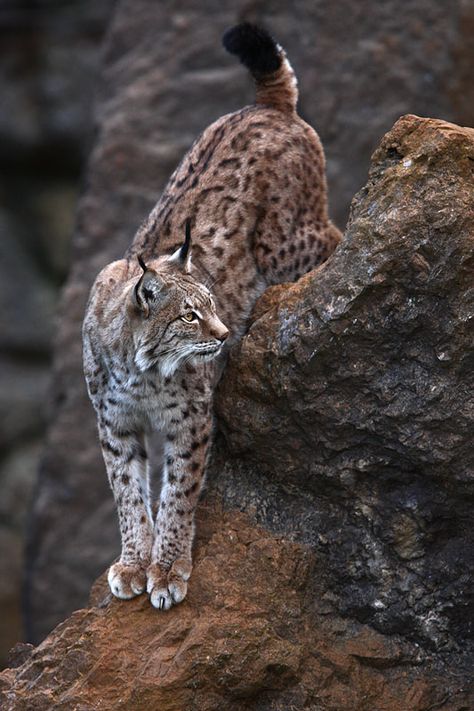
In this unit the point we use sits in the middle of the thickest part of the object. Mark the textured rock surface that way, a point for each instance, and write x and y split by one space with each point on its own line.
352 396
344 583
165 78
271 644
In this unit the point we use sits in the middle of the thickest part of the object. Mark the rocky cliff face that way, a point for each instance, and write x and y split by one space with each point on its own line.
165 77
334 557
354 388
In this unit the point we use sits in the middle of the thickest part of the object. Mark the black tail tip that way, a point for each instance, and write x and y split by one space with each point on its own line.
254 46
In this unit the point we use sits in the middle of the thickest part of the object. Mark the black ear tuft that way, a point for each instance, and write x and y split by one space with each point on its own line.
141 262
184 251
182 256
148 289
254 46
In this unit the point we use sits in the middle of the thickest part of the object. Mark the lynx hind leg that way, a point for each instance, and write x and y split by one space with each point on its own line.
332 236
289 256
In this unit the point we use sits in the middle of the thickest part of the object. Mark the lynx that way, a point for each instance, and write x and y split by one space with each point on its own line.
251 197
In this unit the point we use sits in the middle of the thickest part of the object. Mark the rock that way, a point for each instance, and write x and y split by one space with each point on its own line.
17 476
354 390
254 633
47 78
19 654
333 568
11 569
26 323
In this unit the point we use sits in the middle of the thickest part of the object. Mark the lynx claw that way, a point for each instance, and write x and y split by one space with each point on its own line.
126 581
168 587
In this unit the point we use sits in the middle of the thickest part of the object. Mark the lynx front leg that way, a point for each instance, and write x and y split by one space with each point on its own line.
183 476
126 462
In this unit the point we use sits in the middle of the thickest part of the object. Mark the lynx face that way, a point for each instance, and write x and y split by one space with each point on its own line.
174 319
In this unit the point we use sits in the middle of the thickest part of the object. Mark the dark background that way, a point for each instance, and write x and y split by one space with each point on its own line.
360 65
49 63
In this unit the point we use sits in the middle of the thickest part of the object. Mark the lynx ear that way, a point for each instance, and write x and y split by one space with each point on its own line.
182 256
147 289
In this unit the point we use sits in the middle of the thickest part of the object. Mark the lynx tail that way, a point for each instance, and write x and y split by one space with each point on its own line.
276 84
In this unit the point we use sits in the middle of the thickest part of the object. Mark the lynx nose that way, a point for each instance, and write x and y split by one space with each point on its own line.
222 335
218 330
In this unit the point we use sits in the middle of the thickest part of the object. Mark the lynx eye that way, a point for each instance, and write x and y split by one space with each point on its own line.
189 316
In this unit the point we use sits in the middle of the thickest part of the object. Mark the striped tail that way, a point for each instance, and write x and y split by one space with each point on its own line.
276 84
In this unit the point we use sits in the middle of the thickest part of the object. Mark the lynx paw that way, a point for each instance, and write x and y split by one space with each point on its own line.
126 581
168 587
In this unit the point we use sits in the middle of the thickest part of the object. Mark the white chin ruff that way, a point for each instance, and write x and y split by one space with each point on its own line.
142 361
170 364
205 357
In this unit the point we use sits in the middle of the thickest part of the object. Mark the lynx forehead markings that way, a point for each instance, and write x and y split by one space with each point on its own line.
252 192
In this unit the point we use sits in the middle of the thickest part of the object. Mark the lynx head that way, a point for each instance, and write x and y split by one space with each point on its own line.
174 319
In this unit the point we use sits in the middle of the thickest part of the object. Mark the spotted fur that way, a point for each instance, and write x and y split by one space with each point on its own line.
252 193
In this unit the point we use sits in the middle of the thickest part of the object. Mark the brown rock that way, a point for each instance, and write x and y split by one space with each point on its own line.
252 634
19 654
